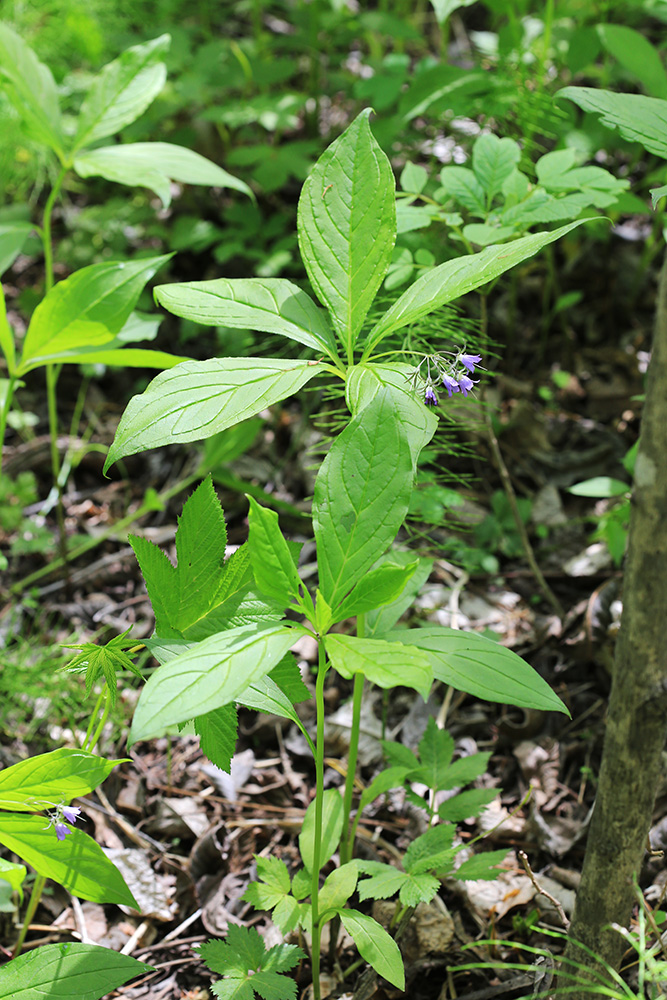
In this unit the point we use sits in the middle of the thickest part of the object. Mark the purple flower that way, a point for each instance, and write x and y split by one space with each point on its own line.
470 360
466 384
450 384
430 397
62 831
71 813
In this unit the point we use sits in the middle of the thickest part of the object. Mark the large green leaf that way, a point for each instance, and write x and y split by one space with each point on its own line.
362 493
382 663
43 781
347 226
638 118
76 862
270 556
87 309
480 666
68 971
637 55
114 357
154 165
122 91
199 398
12 237
332 828
375 946
454 278
272 305
31 89
214 672
366 380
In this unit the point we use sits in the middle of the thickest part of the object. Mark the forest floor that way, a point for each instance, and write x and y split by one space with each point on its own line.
185 833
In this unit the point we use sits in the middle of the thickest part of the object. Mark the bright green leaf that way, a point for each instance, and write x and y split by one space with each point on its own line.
45 780
599 486
6 336
386 617
480 866
12 237
382 663
375 946
493 160
338 887
217 732
68 971
332 828
380 586
638 118
636 54
270 557
31 89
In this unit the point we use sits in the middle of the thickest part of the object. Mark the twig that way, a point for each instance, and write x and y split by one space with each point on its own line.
523 857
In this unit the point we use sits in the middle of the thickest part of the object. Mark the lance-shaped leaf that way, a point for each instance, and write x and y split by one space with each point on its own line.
332 828
365 381
638 118
199 398
480 666
122 91
213 673
12 237
43 781
154 165
362 493
382 663
454 278
76 862
67 971
272 305
381 585
384 618
375 946
347 226
270 556
6 335
30 86
87 309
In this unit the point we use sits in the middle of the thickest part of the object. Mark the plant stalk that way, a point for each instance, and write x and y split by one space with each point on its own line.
35 897
319 802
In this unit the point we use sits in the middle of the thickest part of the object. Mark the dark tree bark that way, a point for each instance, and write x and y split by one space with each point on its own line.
636 726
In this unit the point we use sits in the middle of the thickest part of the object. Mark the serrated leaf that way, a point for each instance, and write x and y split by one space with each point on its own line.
217 731
461 184
61 775
480 866
362 493
287 676
213 673
456 277
480 666
419 888
154 165
432 851
30 86
332 828
638 118
199 398
347 226
382 663
272 305
466 805
68 970
493 160
435 753
77 862
390 777
87 309
383 880
399 755
244 957
380 586
122 91
375 946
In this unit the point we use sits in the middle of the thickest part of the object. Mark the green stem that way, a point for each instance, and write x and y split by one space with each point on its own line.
4 413
46 228
102 722
93 716
52 372
35 897
319 794
347 843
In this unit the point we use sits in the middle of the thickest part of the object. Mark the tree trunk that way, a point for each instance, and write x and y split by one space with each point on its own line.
636 727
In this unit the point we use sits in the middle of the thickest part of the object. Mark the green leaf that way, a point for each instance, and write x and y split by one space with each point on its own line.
365 381
600 486
77 862
122 91
391 777
638 118
461 184
456 277
480 866
338 887
380 586
435 753
272 892
431 852
12 237
332 828
493 160
375 946
270 556
45 780
14 875
6 335
154 165
466 805
384 880
251 967
382 663
217 732
380 621
87 309
67 971
199 398
657 194
443 8
362 493
271 305
483 235
213 673
31 89
347 226
480 666
636 54
399 755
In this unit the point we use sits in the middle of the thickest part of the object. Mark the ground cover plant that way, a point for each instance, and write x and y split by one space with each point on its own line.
374 352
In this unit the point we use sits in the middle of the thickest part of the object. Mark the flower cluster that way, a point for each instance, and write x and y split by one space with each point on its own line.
452 375
62 813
